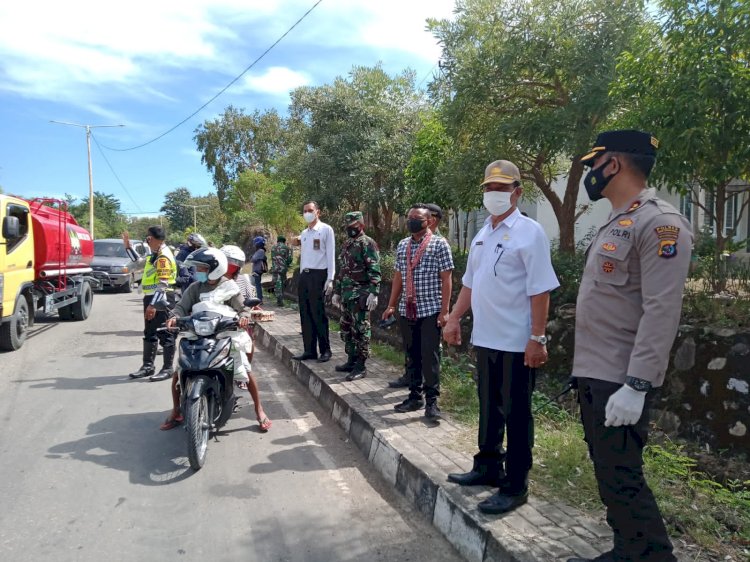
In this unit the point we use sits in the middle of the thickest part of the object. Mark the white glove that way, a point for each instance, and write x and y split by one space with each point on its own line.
328 287
336 301
372 302
624 407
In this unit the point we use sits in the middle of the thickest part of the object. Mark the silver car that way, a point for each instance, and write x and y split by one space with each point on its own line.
114 268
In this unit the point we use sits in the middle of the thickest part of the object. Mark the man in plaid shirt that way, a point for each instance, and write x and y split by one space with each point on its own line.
422 288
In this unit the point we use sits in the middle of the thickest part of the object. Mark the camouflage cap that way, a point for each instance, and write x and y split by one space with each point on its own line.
354 216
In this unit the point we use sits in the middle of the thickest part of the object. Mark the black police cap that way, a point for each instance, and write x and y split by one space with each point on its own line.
627 140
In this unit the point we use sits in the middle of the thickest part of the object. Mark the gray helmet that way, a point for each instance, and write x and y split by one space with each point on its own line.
196 240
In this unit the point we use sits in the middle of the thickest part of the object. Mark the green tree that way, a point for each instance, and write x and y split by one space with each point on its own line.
529 81
236 142
109 222
176 208
687 79
351 142
259 204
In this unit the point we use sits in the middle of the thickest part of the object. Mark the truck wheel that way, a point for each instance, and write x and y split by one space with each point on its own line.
128 287
13 332
81 309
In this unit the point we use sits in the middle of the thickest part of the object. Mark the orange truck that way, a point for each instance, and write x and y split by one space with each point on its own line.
45 261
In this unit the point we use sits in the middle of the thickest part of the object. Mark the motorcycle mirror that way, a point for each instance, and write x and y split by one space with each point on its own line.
251 302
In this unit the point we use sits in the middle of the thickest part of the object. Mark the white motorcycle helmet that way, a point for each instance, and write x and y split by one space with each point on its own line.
215 259
235 257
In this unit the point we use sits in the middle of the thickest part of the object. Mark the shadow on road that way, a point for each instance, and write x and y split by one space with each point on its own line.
73 383
131 443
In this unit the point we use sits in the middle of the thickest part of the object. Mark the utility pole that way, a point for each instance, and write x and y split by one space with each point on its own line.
195 215
91 177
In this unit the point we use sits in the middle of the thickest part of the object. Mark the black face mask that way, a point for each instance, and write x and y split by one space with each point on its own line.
595 182
353 231
415 225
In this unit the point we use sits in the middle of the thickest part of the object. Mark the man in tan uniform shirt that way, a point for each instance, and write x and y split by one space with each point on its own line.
627 315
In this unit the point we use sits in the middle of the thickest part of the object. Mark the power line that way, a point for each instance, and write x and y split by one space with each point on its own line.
111 169
224 89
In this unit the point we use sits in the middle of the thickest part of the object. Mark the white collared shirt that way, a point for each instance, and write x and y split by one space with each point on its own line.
507 265
318 249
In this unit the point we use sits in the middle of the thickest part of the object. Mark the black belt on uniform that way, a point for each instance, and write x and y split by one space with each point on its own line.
308 270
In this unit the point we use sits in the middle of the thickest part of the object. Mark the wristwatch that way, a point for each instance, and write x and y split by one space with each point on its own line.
638 384
539 339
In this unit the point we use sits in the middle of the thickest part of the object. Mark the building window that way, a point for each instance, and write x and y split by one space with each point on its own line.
686 207
730 215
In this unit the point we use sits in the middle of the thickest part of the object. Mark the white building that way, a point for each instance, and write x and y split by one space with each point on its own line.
735 226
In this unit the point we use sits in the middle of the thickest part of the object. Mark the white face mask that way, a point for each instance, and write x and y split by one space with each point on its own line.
309 217
497 202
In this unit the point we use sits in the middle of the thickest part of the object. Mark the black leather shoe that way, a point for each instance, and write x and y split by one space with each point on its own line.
409 405
144 371
325 356
431 411
347 367
304 357
401 382
606 557
162 375
475 478
503 503
356 375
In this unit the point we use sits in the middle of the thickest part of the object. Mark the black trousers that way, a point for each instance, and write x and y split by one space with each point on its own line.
312 310
617 454
166 338
505 386
422 347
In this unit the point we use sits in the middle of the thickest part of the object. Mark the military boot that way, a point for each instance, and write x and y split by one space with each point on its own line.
347 367
149 354
167 370
359 371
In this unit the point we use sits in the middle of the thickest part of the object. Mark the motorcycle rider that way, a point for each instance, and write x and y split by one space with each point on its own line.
210 286
185 274
236 259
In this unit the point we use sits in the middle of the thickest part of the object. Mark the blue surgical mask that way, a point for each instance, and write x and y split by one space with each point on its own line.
201 276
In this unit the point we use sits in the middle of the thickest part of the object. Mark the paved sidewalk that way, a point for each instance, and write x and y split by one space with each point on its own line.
412 454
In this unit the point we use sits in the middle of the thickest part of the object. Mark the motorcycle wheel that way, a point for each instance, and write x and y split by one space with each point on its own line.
197 426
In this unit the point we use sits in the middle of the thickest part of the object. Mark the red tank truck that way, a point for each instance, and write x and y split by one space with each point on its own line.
44 265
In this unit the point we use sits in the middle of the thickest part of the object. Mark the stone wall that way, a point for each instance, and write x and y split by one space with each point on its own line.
706 394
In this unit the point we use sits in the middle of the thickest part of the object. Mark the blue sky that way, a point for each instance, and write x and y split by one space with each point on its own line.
149 64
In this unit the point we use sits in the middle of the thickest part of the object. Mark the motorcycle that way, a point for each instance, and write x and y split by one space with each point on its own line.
205 378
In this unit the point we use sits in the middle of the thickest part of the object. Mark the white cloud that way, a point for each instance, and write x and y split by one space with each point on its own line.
88 53
277 80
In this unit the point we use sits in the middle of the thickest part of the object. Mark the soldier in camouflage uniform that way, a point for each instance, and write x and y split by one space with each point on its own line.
281 259
356 294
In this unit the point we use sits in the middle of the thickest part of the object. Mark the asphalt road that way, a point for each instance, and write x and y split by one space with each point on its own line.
85 473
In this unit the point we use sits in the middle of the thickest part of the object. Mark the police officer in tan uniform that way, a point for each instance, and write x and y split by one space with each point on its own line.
627 315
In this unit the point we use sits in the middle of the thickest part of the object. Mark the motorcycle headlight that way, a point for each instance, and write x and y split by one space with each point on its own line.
119 269
205 327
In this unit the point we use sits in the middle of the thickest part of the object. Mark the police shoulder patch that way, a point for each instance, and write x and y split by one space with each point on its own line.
667 249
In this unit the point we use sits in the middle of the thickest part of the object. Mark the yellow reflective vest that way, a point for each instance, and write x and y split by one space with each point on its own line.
162 268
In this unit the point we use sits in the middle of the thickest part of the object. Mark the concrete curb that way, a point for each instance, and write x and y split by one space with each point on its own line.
411 472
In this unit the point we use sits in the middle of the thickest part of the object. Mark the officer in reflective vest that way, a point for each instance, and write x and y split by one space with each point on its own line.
159 278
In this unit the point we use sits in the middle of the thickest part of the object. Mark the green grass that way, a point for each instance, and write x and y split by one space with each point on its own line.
703 512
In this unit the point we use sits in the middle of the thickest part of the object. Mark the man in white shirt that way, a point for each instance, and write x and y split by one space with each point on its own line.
507 283
317 267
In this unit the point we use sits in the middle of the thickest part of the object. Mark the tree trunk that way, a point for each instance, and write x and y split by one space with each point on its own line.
566 211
